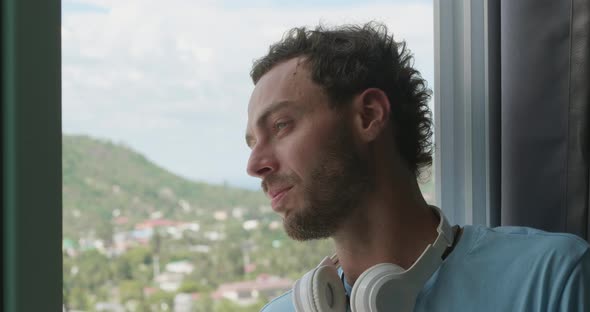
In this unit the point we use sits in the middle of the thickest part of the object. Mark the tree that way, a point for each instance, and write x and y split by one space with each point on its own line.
92 273
130 290
161 301
135 264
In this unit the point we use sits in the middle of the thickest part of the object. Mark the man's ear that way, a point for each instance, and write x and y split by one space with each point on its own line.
372 109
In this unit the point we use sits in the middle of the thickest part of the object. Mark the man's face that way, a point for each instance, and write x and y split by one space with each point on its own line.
304 152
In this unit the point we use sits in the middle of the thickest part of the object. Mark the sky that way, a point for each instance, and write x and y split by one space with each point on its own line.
170 79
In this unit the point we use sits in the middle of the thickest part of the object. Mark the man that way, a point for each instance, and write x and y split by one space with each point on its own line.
340 129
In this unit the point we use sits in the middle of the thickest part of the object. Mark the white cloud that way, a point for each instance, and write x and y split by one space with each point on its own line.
147 71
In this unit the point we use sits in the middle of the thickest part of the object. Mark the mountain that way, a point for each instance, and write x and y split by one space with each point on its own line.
109 187
106 184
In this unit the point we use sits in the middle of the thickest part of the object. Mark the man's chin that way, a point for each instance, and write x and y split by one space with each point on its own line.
296 231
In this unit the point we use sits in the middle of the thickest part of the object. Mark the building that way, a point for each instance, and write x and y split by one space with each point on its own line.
248 292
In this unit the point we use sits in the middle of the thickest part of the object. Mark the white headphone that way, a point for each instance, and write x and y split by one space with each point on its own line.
382 287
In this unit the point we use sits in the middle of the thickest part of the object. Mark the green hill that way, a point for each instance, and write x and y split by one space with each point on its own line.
103 180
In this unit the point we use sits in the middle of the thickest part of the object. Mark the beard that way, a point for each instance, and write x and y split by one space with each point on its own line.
332 192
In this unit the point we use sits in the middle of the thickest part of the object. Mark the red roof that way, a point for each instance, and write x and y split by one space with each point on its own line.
148 224
149 290
195 296
121 220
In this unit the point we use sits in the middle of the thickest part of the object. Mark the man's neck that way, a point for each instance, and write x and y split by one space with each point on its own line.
387 229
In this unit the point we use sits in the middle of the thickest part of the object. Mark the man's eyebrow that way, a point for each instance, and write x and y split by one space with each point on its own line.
272 108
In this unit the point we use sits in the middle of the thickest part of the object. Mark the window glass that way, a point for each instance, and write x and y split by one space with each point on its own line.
159 213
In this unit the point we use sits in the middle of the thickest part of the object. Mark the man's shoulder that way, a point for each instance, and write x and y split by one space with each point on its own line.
527 235
516 268
517 240
282 303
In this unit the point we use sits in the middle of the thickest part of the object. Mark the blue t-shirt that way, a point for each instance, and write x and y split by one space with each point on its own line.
503 269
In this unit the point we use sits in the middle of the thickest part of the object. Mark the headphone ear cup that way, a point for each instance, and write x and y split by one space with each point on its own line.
302 293
320 290
327 289
364 292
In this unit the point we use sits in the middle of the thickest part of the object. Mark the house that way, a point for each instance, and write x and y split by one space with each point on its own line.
275 225
174 274
108 307
172 228
214 235
220 215
182 267
238 212
69 247
248 292
184 302
154 223
200 248
144 231
250 225
169 281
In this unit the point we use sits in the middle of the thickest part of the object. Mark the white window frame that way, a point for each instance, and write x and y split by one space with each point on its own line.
461 86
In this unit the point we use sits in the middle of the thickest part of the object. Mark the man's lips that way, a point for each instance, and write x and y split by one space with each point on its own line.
275 193
277 196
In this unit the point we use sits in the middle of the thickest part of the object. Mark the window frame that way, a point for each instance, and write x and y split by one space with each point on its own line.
31 155
465 94
31 136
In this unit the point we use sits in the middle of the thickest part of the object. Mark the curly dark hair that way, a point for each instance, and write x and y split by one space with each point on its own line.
346 60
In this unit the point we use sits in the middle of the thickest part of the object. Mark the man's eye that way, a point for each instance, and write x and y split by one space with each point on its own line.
281 125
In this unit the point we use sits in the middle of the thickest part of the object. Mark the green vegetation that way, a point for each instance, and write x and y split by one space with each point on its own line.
100 177
109 189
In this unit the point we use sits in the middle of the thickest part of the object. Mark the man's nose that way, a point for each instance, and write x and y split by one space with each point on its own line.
262 162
